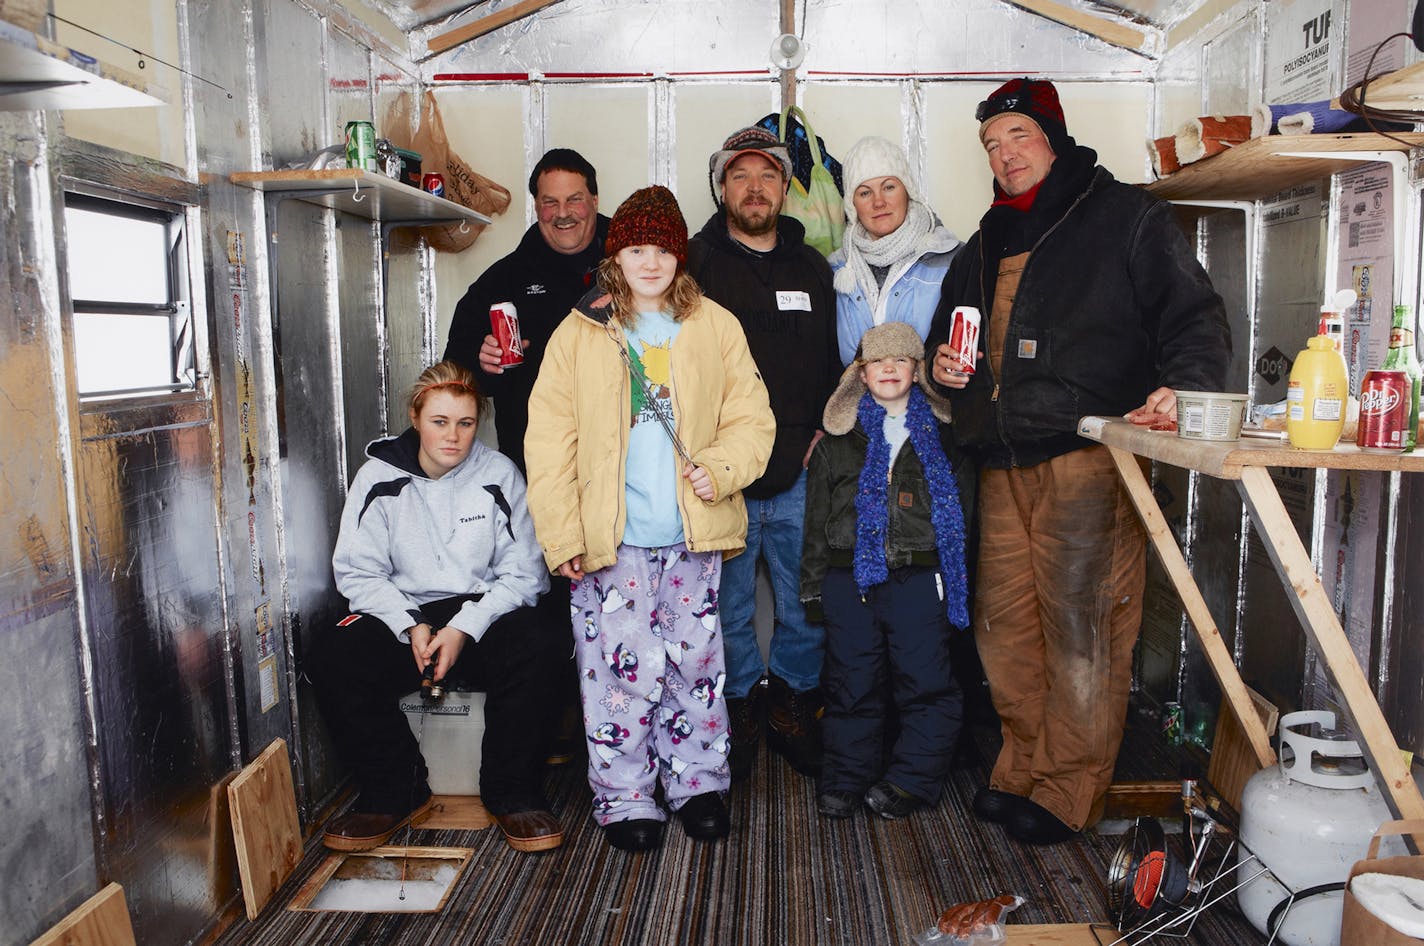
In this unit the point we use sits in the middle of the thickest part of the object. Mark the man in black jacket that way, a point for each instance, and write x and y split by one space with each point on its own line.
548 272
1092 303
545 275
755 263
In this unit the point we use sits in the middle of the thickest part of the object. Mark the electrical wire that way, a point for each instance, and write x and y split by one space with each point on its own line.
1353 99
140 53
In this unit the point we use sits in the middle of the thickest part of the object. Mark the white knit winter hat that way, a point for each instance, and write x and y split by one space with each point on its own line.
873 157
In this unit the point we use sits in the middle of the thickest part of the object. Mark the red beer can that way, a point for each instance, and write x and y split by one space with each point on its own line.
504 326
433 183
1384 411
964 336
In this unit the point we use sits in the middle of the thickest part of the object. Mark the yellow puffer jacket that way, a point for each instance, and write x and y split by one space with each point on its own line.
576 445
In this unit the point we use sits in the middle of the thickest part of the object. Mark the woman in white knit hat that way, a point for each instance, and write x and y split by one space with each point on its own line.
895 252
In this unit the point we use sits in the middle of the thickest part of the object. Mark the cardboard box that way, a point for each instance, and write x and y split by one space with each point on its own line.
1359 926
454 730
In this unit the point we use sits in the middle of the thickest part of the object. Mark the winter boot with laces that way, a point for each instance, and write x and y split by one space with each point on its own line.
794 725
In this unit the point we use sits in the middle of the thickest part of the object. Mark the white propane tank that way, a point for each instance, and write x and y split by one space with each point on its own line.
1308 819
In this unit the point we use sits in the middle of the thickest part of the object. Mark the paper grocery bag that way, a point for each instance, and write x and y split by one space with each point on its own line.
1360 927
463 184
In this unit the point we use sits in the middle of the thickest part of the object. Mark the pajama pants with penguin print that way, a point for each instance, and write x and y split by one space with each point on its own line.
651 672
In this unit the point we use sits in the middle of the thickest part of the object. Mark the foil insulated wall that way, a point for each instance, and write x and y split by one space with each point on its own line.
47 851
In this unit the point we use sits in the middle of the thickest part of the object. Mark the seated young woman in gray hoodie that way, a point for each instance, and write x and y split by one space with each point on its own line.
438 561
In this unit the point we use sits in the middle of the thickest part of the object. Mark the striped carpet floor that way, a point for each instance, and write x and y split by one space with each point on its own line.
785 876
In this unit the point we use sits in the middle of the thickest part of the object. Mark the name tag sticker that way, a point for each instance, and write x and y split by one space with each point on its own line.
1028 348
792 301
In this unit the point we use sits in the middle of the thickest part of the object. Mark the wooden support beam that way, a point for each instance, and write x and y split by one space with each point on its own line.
1127 36
1193 603
485 24
788 76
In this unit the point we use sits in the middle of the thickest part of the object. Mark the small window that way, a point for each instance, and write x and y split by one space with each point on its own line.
128 285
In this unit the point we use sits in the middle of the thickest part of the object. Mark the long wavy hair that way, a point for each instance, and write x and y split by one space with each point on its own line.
682 296
445 376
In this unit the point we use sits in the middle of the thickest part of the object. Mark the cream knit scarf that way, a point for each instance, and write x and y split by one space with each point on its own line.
907 244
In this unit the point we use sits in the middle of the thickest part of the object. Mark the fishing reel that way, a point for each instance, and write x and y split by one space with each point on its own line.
430 691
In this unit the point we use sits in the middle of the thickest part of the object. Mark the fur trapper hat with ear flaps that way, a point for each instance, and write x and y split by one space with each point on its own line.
887 340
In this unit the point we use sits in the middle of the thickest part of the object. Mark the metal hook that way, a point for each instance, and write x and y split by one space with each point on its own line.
464 227
356 187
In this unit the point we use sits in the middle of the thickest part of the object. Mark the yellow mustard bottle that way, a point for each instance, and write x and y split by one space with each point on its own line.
1316 396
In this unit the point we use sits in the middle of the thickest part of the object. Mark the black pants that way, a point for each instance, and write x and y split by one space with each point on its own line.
360 672
894 646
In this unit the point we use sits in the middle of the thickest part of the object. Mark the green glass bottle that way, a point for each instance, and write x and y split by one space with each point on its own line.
1403 357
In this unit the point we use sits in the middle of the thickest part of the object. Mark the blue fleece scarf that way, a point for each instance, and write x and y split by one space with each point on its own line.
872 503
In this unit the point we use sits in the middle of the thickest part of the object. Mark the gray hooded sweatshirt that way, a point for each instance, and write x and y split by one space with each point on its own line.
407 540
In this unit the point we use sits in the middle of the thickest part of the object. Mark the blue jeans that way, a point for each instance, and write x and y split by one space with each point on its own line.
774 531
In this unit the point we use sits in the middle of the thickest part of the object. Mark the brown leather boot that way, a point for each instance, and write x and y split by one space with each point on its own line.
744 725
794 725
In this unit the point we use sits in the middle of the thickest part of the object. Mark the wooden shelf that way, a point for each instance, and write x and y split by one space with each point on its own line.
360 193
1400 90
1251 170
38 74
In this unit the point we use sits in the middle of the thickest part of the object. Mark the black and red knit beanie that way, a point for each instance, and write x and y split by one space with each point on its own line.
1036 99
649 216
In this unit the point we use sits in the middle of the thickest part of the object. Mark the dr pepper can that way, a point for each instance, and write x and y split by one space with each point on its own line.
504 326
1384 411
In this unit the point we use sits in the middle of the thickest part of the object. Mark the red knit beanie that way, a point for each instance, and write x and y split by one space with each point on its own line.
649 216
1036 99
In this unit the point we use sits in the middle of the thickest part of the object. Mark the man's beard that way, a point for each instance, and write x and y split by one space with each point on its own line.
753 226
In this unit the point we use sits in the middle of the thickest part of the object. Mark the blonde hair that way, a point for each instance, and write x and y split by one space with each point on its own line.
445 376
682 296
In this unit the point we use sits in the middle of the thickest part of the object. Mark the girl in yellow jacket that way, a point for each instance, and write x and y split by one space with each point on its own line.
647 419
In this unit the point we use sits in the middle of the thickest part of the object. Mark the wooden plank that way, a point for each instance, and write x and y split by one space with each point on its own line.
1160 799
361 193
264 825
457 813
1402 89
1233 761
1250 170
1060 934
1126 35
1226 460
102 920
1313 608
485 24
1140 492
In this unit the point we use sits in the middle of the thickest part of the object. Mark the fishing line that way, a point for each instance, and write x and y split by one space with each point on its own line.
140 53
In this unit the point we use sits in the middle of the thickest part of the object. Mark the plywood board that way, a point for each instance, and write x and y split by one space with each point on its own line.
1252 170
457 813
1233 761
264 825
1061 934
102 920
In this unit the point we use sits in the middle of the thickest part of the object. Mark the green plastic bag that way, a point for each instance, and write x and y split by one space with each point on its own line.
819 207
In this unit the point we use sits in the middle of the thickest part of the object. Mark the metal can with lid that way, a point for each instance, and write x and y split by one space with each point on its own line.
361 145
964 337
504 326
1384 411
433 183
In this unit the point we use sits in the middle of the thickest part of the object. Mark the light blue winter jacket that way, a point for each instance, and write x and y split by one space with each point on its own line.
910 293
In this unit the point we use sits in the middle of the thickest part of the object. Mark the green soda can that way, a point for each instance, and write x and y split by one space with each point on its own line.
1172 723
361 145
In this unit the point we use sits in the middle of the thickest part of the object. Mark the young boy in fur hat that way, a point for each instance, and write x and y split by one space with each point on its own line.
884 562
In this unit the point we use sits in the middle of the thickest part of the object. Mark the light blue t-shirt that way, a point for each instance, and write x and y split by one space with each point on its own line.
653 468
896 433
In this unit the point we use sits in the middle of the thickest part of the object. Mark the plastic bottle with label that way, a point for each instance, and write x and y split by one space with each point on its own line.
1316 396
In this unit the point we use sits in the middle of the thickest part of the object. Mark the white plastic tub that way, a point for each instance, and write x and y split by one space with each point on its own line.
1210 415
